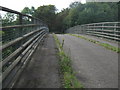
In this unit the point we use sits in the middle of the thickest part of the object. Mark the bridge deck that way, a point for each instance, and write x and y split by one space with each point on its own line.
95 66
42 70
102 40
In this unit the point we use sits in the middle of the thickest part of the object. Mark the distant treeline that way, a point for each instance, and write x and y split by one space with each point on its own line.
92 12
75 14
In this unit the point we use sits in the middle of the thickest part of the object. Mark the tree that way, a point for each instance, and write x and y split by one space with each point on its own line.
91 12
47 14
8 19
60 23
75 14
28 11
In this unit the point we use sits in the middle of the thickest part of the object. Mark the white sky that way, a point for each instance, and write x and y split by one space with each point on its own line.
18 5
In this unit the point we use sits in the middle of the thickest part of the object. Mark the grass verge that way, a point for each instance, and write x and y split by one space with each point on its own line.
69 79
110 47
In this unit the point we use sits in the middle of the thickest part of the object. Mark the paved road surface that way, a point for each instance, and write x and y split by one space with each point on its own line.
102 40
96 66
42 70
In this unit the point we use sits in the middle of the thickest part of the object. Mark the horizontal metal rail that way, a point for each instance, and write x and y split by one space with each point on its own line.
16 12
19 42
23 58
101 23
19 39
104 26
109 30
7 71
19 49
18 26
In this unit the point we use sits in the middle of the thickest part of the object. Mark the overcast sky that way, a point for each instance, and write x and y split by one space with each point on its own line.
18 5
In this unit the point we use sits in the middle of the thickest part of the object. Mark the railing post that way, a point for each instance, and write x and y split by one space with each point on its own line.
88 29
115 24
84 29
80 30
33 21
39 24
94 30
20 23
102 30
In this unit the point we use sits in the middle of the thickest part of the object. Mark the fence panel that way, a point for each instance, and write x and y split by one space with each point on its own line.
109 30
19 40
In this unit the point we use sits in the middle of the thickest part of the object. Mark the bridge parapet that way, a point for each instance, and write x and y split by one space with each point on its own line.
18 44
109 30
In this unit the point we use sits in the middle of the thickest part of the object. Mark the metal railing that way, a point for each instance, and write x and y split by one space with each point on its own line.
109 30
18 44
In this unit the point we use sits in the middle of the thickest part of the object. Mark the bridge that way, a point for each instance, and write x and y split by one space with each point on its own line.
29 55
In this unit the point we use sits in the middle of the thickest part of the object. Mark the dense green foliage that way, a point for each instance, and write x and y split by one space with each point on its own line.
91 12
47 14
8 19
28 11
75 14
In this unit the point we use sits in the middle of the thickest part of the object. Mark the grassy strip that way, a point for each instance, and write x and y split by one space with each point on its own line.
69 79
116 49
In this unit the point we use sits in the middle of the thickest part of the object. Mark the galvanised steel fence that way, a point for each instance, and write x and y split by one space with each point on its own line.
109 30
19 41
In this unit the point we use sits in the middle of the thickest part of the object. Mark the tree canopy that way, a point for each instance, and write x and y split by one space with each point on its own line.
91 12
47 14
75 14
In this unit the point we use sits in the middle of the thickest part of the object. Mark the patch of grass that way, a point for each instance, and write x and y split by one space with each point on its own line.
69 79
110 47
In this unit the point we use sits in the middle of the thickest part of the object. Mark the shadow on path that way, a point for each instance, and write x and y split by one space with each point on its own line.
42 70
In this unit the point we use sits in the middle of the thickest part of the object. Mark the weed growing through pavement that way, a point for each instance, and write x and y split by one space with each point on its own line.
116 49
69 78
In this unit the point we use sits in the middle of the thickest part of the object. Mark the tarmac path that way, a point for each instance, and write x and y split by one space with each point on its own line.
43 70
96 66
